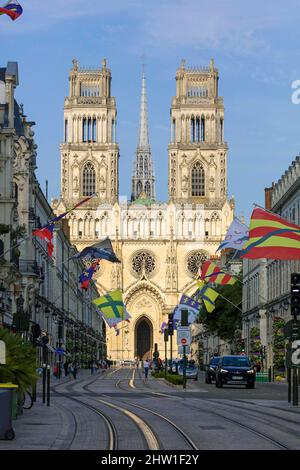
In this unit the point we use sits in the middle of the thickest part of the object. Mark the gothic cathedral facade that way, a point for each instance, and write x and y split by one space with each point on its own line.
160 244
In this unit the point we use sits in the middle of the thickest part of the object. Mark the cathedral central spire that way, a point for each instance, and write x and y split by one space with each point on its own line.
143 179
143 135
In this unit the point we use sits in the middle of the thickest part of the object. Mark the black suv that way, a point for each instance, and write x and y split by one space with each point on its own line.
210 373
235 370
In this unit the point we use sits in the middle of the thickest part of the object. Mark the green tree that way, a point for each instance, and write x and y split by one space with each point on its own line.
226 318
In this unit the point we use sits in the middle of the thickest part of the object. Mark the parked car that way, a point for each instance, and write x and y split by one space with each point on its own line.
128 362
174 366
235 370
191 370
210 373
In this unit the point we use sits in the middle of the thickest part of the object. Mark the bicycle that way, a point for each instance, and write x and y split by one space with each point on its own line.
26 400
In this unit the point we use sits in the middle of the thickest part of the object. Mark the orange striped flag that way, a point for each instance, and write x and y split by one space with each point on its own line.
271 237
210 272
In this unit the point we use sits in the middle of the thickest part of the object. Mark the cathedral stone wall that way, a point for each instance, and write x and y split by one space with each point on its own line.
161 245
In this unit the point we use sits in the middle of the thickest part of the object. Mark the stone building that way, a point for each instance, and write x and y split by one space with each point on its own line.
160 244
266 290
36 292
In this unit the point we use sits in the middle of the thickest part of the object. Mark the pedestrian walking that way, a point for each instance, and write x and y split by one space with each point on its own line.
146 368
74 370
66 368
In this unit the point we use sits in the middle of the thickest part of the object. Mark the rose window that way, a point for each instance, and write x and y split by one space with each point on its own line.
195 260
143 262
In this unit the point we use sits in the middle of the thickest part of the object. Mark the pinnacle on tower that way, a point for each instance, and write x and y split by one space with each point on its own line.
143 179
143 134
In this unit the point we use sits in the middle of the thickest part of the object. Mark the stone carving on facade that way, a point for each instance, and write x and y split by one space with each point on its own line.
144 304
75 183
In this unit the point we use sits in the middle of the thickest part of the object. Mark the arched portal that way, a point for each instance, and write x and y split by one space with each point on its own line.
143 338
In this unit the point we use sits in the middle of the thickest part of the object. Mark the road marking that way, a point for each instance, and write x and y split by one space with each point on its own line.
131 381
142 425
113 372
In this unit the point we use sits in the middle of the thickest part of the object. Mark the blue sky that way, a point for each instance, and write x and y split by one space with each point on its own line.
255 46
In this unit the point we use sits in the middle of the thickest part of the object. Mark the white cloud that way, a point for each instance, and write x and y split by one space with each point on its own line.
230 25
40 14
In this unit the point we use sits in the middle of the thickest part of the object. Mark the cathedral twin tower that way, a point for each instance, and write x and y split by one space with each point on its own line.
161 244
89 153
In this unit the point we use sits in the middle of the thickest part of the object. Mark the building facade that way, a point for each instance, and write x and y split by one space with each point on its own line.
37 293
267 283
160 244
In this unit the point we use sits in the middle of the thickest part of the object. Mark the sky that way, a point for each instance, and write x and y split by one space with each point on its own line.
255 46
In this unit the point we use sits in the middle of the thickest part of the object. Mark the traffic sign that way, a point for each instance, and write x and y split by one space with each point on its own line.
183 333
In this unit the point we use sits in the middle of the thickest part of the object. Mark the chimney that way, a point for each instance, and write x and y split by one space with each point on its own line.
268 197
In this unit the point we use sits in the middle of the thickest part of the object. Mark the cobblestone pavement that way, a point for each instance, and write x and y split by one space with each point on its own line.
119 408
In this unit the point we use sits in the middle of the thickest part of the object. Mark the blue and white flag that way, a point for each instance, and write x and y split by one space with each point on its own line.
236 236
189 304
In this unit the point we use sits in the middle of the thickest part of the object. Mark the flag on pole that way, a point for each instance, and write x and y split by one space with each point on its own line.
164 325
192 305
46 233
86 277
12 9
117 330
210 272
111 304
271 237
236 236
111 322
208 295
100 250
56 219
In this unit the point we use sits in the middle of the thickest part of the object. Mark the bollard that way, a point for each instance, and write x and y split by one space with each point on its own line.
48 385
33 389
289 379
44 382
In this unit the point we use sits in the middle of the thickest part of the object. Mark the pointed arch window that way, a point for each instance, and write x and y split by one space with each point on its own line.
89 179
84 130
139 188
202 137
198 180
148 189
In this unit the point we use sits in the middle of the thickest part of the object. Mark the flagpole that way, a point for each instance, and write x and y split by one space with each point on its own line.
243 223
227 300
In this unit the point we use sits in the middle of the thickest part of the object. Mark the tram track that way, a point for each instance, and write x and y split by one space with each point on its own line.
112 432
174 426
148 435
249 428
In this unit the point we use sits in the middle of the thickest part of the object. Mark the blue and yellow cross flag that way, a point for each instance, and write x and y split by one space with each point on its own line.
208 295
111 304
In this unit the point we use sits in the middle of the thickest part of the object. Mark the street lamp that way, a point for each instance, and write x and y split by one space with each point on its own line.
2 305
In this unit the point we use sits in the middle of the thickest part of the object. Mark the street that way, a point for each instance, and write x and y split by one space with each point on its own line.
117 409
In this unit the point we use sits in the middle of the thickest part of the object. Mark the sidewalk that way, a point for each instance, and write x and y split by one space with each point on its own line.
53 427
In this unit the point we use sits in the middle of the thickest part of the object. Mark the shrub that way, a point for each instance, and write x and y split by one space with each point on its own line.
20 367
172 378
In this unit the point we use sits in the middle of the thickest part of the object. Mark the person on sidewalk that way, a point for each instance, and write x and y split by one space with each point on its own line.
66 367
146 368
74 369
